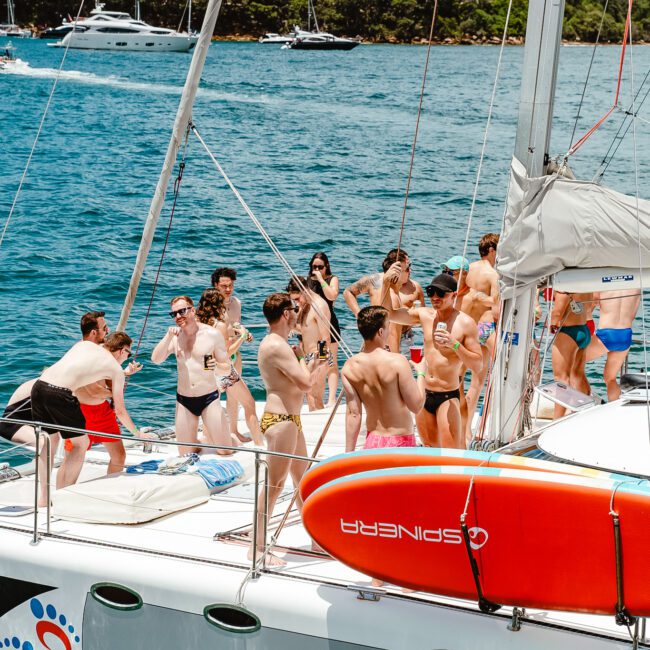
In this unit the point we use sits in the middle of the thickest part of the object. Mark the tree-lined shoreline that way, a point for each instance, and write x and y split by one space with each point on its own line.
376 21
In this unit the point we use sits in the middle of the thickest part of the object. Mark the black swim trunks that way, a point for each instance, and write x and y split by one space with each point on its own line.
196 405
57 407
21 410
434 400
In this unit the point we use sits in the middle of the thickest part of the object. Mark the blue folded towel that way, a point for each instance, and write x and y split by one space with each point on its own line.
218 472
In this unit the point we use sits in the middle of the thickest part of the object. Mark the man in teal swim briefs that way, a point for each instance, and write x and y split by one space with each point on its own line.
572 336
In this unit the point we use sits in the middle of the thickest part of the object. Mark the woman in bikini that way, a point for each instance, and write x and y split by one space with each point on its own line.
327 287
211 310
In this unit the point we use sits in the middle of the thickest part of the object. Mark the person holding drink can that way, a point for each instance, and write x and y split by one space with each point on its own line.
450 341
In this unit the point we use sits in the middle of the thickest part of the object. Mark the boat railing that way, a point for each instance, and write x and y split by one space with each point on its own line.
260 476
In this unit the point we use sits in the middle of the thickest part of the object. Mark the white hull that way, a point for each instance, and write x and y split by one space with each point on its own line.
131 42
178 568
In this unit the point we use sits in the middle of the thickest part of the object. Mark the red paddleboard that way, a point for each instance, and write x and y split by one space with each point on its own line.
540 540
367 460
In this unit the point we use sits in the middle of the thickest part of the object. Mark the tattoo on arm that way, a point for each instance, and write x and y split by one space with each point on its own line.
362 285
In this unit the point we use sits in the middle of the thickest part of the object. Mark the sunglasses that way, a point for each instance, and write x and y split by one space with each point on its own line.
436 291
129 353
179 312
294 308
317 266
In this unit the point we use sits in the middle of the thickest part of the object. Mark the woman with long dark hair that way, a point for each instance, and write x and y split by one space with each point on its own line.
211 310
326 286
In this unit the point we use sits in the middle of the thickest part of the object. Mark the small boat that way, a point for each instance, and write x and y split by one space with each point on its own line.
322 41
8 60
273 38
317 40
117 30
279 39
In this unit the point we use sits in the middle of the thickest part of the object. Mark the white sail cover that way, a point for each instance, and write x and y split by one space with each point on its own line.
553 223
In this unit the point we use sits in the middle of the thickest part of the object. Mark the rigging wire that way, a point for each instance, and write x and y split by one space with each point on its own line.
591 63
417 126
38 131
638 227
488 124
344 347
625 126
595 127
177 187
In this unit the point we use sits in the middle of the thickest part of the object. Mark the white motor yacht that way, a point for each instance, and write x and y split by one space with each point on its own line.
116 30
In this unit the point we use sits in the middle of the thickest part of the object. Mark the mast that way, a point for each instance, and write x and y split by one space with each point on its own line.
539 73
183 116
10 12
189 18
137 9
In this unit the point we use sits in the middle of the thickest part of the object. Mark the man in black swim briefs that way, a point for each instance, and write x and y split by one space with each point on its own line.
450 341
201 359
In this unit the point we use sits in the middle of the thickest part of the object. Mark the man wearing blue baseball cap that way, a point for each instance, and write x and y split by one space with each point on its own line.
455 263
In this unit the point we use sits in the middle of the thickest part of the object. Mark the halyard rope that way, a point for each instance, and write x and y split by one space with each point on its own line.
344 347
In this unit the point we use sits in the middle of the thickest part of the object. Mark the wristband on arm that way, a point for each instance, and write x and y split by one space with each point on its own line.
456 345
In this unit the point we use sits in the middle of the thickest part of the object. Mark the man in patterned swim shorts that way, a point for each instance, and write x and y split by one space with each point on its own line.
383 383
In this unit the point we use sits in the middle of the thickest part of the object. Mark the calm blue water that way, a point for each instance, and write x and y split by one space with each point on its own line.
318 144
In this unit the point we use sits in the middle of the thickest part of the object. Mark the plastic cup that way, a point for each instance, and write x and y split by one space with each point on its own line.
416 353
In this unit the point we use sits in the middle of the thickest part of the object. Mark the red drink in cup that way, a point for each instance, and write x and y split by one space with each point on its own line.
416 353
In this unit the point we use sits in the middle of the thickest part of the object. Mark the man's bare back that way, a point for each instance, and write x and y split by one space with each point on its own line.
375 377
84 363
618 309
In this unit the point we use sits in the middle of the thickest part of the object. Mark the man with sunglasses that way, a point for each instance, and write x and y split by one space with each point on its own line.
287 376
54 400
402 289
450 341
199 350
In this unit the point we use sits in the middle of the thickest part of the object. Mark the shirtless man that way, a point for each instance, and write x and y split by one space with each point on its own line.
450 341
480 307
572 336
97 410
618 309
54 401
404 291
223 280
382 382
287 377
200 350
314 326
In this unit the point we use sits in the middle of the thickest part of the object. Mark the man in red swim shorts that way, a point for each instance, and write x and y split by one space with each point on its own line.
383 383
